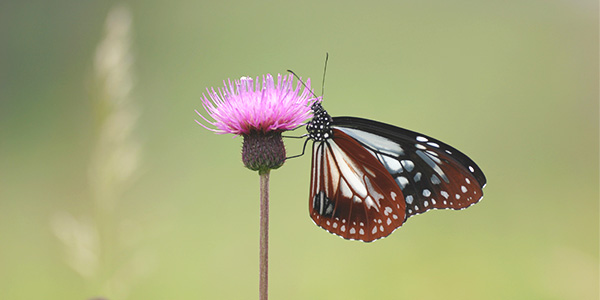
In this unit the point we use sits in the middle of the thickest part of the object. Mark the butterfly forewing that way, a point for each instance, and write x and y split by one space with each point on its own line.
352 194
436 181
430 173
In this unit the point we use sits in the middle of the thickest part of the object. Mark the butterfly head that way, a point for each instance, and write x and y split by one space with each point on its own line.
319 128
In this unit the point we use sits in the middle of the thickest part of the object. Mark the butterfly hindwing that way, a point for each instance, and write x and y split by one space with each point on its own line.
352 194
430 173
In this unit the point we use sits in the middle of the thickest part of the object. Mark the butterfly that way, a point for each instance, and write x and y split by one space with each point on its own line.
368 178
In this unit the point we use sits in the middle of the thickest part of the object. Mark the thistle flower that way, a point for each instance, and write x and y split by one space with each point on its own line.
259 113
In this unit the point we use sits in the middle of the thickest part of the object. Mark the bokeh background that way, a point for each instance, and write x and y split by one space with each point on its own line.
108 188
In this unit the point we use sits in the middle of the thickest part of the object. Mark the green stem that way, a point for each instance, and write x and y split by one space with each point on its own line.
264 236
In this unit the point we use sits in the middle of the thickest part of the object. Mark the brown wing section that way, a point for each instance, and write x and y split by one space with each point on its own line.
352 194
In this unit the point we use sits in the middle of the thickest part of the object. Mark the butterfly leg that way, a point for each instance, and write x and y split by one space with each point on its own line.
295 137
303 149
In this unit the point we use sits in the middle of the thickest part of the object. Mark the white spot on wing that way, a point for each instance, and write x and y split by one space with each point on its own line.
370 203
433 156
417 177
408 165
334 173
317 154
391 164
321 202
370 172
427 159
349 170
422 139
402 181
346 192
380 143
372 192
387 210
329 210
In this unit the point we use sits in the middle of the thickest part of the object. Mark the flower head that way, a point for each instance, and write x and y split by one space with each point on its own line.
259 113
245 105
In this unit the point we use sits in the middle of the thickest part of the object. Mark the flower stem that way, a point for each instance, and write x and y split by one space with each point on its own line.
264 235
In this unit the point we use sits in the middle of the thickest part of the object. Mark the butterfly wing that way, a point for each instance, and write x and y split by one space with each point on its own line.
430 173
352 194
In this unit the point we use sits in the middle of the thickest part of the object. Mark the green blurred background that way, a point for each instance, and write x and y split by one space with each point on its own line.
109 188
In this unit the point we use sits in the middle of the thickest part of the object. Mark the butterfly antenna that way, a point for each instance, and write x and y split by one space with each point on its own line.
324 72
304 84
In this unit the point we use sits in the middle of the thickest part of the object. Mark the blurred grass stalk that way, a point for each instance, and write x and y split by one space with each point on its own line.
92 243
